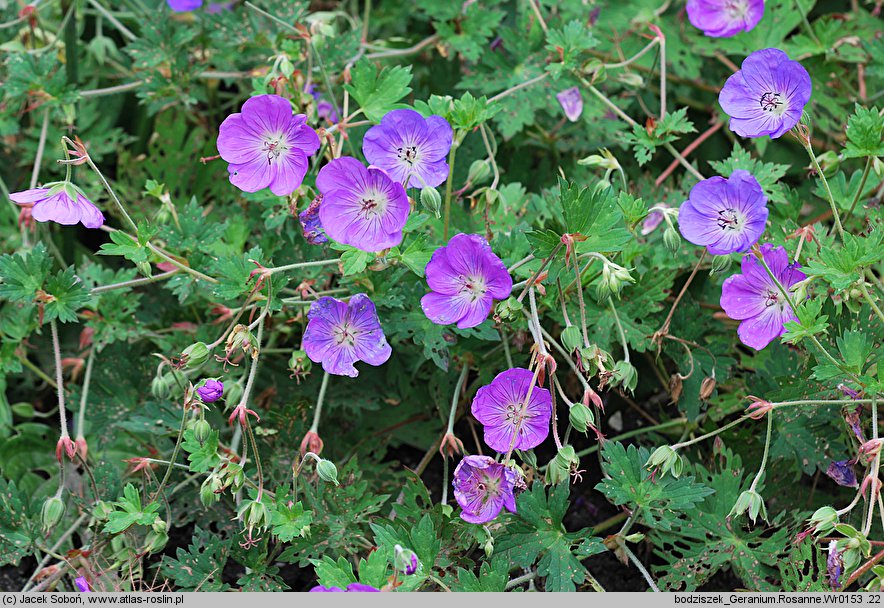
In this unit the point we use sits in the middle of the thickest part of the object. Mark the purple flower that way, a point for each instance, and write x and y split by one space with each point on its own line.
654 219
340 334
311 225
82 584
767 95
324 109
62 203
842 473
501 408
572 103
266 146
482 488
754 299
360 588
725 215
834 565
465 277
184 6
211 390
321 589
411 148
411 568
725 18
361 207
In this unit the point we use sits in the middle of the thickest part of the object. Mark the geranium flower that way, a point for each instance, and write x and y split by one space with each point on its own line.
339 334
767 95
842 473
361 207
184 6
501 408
211 390
411 148
725 18
267 146
482 488
465 278
62 203
725 215
82 584
754 299
572 103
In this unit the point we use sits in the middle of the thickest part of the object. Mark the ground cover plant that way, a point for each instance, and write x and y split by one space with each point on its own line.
428 295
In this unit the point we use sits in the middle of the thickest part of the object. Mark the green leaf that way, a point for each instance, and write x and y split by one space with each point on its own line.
645 140
290 522
767 174
125 246
333 573
233 272
569 44
659 498
417 255
491 579
67 296
864 129
810 322
21 275
378 91
538 536
198 568
841 266
202 457
17 531
129 512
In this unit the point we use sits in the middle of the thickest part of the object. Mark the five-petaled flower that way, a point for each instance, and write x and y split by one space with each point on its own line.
465 278
510 418
62 203
411 148
361 207
339 334
767 95
572 103
267 146
725 215
483 488
754 298
724 18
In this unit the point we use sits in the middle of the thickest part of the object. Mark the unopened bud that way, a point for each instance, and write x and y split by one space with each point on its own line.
580 417
720 263
625 375
667 460
404 560
559 468
571 338
253 514
614 277
707 387
431 200
509 309
52 512
479 171
829 162
750 501
194 355
201 430
671 239
824 520
327 471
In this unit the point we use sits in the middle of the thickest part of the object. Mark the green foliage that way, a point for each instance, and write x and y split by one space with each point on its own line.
864 133
378 91
129 512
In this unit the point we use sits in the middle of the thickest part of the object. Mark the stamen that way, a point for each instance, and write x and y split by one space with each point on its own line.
770 101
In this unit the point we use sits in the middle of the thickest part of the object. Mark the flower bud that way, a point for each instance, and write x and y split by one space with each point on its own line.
160 386
720 263
878 167
571 338
156 539
431 201
299 365
234 392
631 80
559 468
327 471
824 520
52 512
405 560
581 417
210 491
144 269
479 171
201 430
829 162
671 239
509 309
194 355
759 408
625 375
750 501
667 460
210 390
253 514
614 277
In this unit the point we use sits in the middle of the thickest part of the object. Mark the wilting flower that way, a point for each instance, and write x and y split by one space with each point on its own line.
842 473
502 409
340 334
754 299
759 408
834 565
725 215
82 584
351 588
62 203
725 18
411 148
653 219
767 95
465 277
211 390
267 146
324 109
361 207
482 488
572 103
310 223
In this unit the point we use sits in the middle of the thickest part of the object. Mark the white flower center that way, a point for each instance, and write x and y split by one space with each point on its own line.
773 102
737 9
274 146
731 219
408 154
373 204
473 287
345 335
